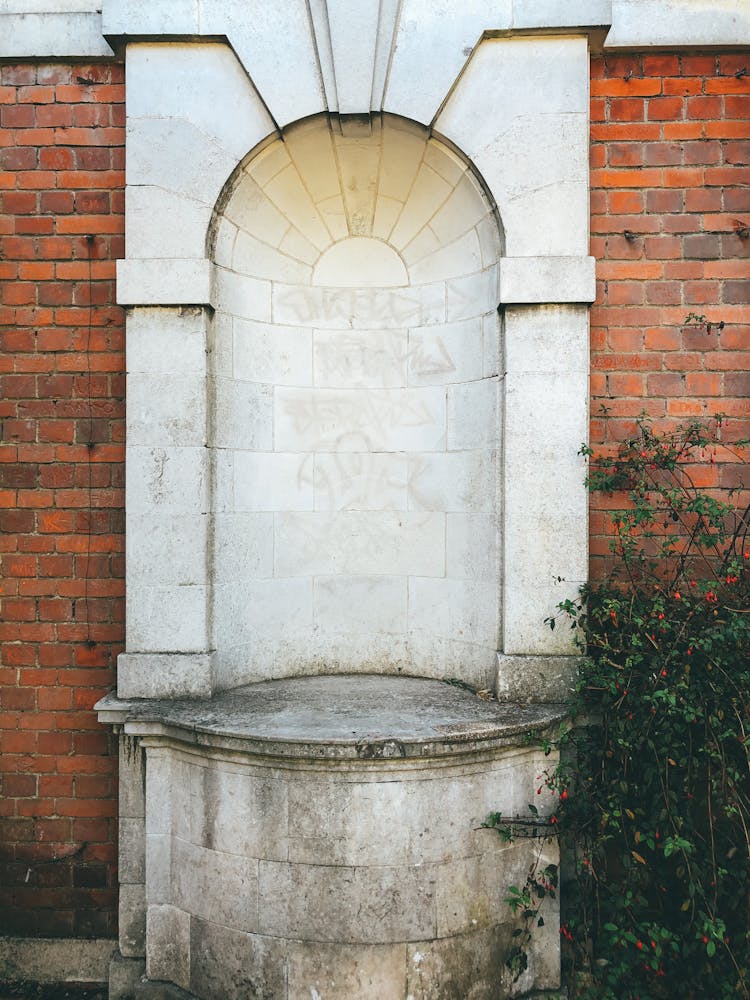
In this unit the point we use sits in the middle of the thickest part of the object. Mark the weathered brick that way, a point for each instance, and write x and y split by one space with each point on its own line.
665 108
737 291
44 184
705 246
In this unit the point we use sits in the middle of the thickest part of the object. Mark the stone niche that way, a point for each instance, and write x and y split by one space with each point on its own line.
355 354
357 383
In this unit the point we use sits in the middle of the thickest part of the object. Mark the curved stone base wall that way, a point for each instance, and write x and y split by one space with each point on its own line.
321 839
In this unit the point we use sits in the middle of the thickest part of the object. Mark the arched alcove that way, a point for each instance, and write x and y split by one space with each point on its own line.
354 426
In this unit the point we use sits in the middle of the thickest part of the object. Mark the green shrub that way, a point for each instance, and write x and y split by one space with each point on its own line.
654 788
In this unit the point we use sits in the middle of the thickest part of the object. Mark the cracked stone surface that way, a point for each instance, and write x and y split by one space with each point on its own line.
344 716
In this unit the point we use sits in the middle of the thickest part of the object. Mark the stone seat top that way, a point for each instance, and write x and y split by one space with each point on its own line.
356 717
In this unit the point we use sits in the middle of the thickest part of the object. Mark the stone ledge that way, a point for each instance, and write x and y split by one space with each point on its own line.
164 282
348 718
55 960
536 280
59 32
536 679
54 34
649 24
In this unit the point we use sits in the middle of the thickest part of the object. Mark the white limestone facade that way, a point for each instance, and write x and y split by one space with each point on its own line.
356 359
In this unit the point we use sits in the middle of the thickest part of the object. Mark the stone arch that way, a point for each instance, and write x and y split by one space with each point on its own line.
354 426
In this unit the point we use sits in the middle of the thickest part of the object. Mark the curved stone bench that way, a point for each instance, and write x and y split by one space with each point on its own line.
320 838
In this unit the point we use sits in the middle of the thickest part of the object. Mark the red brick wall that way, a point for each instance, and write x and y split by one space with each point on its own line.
670 176
61 493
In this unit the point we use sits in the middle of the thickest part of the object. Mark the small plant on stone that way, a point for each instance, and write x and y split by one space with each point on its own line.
527 901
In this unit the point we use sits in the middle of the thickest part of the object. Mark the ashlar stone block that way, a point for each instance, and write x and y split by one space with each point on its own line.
362 905
167 479
167 617
473 414
164 224
544 199
340 974
132 850
360 359
390 420
243 546
238 811
157 553
472 546
164 675
187 81
447 353
228 963
257 609
359 542
52 30
270 481
168 945
265 352
166 341
360 603
453 481
213 885
132 920
164 281
360 481
464 608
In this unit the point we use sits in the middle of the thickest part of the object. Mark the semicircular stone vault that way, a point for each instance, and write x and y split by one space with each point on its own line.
354 428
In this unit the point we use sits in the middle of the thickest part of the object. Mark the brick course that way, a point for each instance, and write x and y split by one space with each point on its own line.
61 493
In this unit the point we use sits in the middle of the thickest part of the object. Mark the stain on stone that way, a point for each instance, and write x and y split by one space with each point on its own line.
380 749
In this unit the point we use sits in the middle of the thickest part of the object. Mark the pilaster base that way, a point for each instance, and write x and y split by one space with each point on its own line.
125 975
536 679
